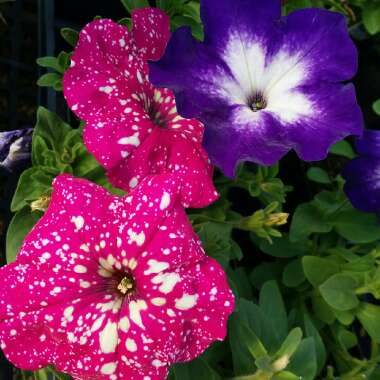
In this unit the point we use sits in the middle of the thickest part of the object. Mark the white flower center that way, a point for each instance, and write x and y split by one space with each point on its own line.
262 81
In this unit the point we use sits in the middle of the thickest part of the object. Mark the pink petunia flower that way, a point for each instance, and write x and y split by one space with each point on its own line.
109 287
132 128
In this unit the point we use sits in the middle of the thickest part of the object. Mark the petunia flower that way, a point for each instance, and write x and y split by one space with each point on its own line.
15 148
263 84
362 174
132 128
108 287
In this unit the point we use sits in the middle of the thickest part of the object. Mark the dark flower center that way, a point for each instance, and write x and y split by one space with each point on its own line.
156 117
257 102
124 284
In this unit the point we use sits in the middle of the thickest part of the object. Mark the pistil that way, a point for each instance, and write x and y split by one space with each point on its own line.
126 285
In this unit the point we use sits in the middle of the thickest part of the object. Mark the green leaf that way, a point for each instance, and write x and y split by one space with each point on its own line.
245 344
318 175
197 369
345 317
307 219
285 375
343 148
320 349
357 226
192 9
339 292
129 5
282 247
251 315
196 27
41 374
369 316
49 79
63 60
217 242
71 36
371 17
33 183
317 269
304 362
273 308
322 310
293 274
53 131
51 62
126 21
265 272
376 107
346 338
290 344
21 224
241 281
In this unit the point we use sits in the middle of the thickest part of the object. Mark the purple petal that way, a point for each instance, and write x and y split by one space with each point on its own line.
223 17
362 174
15 147
335 115
363 183
289 67
369 144
228 146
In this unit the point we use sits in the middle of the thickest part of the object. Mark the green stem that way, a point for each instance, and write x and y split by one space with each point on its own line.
258 375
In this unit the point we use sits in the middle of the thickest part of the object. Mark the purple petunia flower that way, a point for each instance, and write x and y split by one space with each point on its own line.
264 84
362 174
15 148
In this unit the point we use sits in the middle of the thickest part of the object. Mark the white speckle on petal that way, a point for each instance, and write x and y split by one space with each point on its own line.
167 281
108 368
124 324
135 308
130 344
106 89
159 301
130 140
78 222
98 322
157 363
186 302
80 269
156 267
133 182
108 338
165 201
68 313
138 238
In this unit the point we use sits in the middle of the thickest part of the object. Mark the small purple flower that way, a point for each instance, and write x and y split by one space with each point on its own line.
15 147
264 84
362 174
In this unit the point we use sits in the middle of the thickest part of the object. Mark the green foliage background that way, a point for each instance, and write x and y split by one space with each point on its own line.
307 291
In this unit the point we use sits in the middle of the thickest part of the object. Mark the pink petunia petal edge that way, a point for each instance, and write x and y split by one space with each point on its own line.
70 314
108 87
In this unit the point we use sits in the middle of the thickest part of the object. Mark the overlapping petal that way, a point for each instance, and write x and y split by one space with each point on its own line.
71 273
362 174
132 128
150 32
271 82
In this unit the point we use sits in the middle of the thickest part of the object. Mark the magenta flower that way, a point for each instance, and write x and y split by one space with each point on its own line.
264 84
132 128
106 287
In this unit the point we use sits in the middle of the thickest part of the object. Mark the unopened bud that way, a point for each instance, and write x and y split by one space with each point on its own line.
40 204
280 364
276 219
